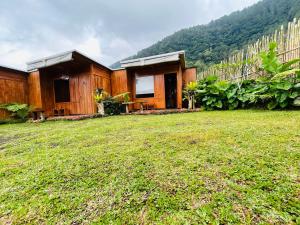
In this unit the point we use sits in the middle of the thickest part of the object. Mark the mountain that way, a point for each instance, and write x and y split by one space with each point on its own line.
209 44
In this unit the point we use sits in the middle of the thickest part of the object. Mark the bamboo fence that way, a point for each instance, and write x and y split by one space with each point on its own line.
246 63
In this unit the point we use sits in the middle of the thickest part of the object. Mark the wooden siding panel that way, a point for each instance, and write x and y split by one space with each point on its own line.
158 71
159 91
34 86
100 78
119 83
179 88
189 75
13 89
80 93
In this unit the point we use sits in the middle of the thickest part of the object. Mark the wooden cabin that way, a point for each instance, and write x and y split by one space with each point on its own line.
13 87
65 83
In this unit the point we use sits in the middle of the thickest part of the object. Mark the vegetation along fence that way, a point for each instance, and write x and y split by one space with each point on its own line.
246 63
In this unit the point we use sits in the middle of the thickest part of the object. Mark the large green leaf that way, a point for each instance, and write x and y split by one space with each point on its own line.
219 104
284 85
272 105
284 74
294 94
233 105
297 102
282 97
287 66
222 85
210 100
283 104
231 93
297 86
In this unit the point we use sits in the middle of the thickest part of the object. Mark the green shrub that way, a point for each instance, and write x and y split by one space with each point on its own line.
18 111
272 94
213 94
113 106
278 89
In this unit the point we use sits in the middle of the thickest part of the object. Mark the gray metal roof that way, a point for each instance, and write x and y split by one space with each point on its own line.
156 59
12 69
57 59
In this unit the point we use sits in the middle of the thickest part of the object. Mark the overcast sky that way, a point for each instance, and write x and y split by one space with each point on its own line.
105 30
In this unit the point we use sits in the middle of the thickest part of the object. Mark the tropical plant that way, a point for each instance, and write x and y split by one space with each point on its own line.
273 67
112 106
281 94
99 97
190 92
18 111
214 94
272 94
124 97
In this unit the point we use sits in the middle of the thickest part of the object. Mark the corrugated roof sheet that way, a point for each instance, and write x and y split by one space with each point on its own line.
57 59
156 59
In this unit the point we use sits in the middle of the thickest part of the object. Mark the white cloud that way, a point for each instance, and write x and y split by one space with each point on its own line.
90 47
104 30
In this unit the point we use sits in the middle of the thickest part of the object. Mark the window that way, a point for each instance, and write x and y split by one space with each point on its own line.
144 86
62 90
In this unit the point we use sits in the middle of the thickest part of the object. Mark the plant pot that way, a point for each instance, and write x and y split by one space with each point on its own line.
100 107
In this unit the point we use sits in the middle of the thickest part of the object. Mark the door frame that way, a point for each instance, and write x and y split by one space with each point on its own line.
175 77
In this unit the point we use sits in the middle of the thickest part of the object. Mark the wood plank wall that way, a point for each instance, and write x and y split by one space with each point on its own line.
189 75
34 87
119 82
80 93
179 88
13 88
100 78
159 83
38 89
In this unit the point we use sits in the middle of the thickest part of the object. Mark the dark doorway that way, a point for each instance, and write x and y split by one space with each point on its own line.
62 90
171 90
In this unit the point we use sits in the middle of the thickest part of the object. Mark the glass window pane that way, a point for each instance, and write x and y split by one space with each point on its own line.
144 86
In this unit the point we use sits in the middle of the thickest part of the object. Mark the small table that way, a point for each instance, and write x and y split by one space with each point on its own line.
126 105
142 105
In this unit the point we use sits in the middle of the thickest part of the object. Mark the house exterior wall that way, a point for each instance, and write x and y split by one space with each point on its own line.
119 82
100 78
37 88
13 88
34 87
189 75
159 84
81 93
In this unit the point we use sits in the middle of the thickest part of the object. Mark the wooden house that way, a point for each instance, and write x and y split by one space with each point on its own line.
66 82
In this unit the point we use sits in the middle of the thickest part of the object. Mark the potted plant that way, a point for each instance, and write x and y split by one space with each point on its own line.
125 98
99 97
190 91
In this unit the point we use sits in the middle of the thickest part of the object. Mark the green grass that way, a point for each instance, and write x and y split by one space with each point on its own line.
198 168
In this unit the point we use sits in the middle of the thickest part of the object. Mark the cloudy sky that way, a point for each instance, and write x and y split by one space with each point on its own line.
105 30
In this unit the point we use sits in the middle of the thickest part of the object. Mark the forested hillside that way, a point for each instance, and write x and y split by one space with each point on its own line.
209 44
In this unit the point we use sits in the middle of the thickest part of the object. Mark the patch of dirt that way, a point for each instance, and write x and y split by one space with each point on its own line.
5 220
6 140
193 142
54 145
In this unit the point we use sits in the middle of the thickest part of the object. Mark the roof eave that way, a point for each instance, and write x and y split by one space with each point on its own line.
156 59
57 59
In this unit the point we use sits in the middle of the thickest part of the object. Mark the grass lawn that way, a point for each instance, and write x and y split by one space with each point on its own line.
198 168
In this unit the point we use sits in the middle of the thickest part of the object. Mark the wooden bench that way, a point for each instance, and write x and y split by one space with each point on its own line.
38 114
